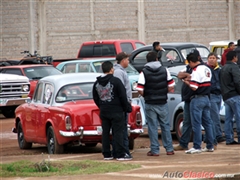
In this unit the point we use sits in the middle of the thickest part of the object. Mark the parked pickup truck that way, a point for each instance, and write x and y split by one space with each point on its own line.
104 49
14 90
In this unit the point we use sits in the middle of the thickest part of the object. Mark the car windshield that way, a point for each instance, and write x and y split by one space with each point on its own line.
72 92
39 72
130 69
203 51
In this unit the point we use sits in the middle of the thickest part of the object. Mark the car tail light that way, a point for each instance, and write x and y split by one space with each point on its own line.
68 123
138 119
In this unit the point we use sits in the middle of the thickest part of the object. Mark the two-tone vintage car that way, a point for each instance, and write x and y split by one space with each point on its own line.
62 112
94 65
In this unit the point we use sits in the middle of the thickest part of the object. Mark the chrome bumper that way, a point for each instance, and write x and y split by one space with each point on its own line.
136 131
13 102
81 132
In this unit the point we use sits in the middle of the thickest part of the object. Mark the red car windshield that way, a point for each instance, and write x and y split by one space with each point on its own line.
39 72
72 92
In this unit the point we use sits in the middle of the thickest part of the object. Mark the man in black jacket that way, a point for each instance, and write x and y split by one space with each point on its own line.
109 95
230 89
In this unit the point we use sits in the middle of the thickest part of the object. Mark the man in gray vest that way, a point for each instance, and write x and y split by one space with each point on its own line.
154 83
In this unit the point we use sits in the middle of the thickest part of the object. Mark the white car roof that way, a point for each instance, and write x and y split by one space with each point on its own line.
219 43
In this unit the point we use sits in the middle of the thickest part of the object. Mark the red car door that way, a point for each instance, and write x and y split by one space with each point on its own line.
43 113
32 113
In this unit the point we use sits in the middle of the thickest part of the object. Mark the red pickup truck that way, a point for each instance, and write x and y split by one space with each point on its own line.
103 49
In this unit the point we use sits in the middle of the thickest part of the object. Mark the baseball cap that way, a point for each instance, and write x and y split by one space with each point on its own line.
122 55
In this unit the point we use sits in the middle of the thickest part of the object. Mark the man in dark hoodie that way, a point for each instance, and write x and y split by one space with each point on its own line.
238 52
109 95
158 49
154 83
231 46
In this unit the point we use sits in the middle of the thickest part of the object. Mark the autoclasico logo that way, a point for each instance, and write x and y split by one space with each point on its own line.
188 174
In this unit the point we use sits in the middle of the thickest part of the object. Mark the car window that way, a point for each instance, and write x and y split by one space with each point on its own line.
141 57
69 68
218 50
39 72
84 67
38 93
98 50
138 45
12 71
48 93
79 91
130 69
203 51
178 85
170 55
126 47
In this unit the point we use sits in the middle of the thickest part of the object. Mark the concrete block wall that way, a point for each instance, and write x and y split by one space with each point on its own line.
69 23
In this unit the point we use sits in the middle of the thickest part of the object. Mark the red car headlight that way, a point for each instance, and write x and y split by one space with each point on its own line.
68 122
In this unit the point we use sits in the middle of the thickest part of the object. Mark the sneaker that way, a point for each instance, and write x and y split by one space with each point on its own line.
179 148
232 143
193 151
125 158
207 150
221 139
108 158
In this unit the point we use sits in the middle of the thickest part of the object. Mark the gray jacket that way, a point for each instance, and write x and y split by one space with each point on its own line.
121 73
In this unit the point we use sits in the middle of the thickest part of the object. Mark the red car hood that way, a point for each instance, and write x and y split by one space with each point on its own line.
82 112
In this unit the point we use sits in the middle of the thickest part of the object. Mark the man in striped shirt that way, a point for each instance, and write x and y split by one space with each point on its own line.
154 83
200 83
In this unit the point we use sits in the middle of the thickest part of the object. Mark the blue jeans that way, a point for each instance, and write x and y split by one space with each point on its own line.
187 126
158 113
215 101
200 114
232 107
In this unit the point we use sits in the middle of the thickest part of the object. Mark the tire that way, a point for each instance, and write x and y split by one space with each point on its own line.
131 143
91 144
23 144
52 144
8 112
178 125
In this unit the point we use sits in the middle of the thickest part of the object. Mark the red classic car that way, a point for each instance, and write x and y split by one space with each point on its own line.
33 72
62 112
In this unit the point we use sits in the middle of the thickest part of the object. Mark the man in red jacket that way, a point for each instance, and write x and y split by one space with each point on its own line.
231 47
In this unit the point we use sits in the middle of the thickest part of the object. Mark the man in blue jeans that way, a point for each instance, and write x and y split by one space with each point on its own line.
154 83
230 87
186 93
200 83
215 98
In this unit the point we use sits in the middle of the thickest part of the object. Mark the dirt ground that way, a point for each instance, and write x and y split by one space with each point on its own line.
9 145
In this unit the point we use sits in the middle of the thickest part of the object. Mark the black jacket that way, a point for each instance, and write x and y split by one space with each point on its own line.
156 85
159 55
109 94
230 80
186 91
